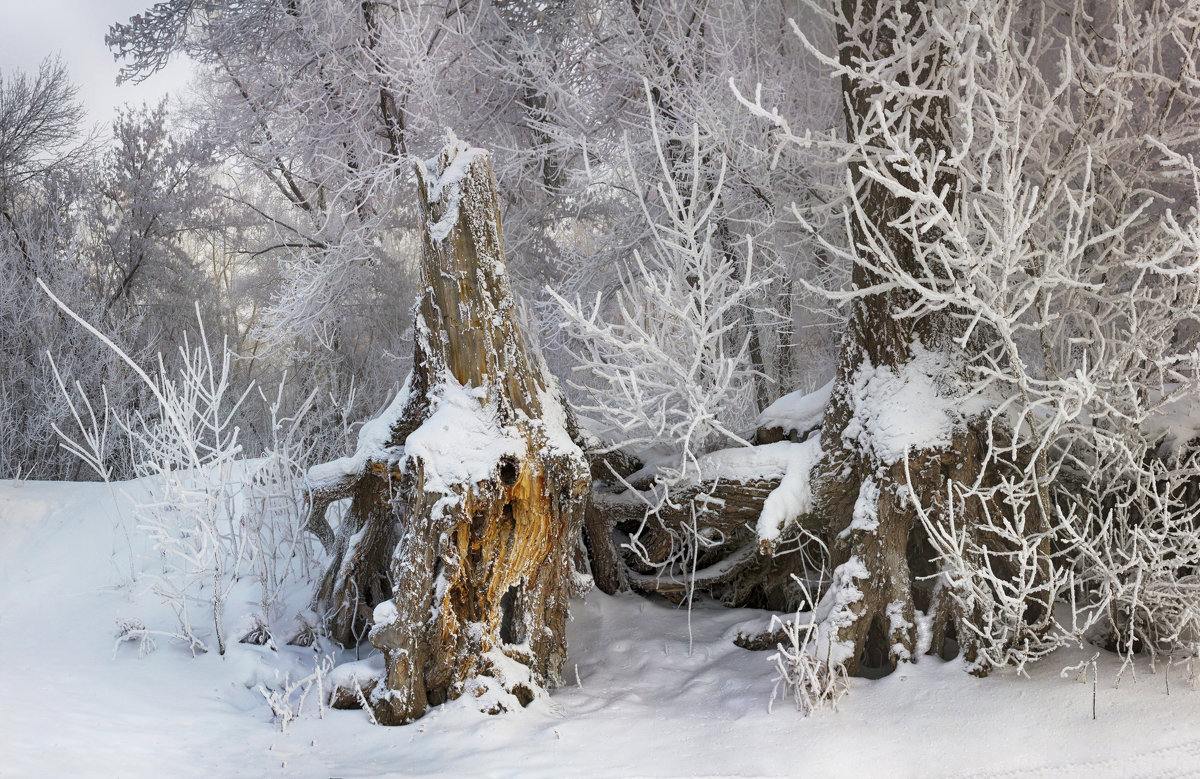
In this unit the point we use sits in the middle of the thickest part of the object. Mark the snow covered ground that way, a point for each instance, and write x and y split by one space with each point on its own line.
637 703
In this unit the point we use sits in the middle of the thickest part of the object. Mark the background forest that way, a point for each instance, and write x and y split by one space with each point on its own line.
278 196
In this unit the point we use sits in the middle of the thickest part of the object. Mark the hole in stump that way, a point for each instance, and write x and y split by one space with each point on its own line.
950 647
509 470
523 694
875 662
509 624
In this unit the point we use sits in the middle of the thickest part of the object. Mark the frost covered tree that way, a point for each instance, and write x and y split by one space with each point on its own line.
876 470
155 195
297 96
45 184
1022 302
323 101
671 368
634 65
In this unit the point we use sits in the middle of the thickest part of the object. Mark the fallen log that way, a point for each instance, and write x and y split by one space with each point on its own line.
715 535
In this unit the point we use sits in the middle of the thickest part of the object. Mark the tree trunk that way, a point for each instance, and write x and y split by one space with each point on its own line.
479 494
885 570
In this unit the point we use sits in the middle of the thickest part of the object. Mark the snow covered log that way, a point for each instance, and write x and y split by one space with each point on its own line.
468 494
793 417
731 516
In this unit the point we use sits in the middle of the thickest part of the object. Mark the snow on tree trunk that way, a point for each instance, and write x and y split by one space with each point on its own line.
478 492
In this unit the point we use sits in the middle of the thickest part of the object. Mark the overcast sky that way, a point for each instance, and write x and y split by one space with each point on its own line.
74 29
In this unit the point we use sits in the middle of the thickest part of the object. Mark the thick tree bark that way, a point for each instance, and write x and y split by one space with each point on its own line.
478 498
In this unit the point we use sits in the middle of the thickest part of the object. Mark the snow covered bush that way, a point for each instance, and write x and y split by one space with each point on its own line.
806 671
195 508
1134 541
212 516
659 362
664 363
276 504
287 696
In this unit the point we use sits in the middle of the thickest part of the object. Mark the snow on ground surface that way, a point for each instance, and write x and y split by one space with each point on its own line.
636 703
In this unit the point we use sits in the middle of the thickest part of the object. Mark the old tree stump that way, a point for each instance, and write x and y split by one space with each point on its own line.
468 493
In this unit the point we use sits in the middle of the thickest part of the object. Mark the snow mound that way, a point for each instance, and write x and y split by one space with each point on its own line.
359 674
909 410
462 440
797 412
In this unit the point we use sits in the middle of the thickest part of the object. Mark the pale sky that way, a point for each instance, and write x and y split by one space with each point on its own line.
31 29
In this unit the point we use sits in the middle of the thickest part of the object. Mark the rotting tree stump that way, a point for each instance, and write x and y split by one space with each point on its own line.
468 494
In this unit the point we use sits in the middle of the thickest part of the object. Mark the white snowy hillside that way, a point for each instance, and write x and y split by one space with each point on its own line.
636 703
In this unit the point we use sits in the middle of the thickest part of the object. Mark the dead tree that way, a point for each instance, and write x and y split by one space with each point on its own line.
468 494
703 538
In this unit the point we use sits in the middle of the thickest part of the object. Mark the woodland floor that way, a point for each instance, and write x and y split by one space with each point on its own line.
637 702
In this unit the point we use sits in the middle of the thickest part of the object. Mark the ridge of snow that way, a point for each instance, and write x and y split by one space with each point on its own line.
554 422
797 412
373 438
744 463
835 611
866 509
